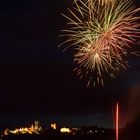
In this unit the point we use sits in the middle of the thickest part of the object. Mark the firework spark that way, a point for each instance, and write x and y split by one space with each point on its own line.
101 31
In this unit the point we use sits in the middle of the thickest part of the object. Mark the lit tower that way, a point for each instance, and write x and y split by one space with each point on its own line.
36 125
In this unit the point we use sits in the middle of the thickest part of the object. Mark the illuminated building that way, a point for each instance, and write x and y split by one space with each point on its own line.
34 129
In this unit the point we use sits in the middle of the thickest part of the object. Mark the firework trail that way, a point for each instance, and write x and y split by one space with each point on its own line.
101 32
117 121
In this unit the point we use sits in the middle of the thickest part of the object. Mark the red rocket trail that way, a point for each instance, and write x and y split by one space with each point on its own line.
117 121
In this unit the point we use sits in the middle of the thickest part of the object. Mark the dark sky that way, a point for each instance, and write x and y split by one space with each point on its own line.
37 79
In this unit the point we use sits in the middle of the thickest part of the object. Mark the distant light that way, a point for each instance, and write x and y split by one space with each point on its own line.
76 129
91 131
53 125
65 130
36 125
96 131
6 131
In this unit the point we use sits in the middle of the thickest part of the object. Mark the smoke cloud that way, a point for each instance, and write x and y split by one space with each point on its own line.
131 104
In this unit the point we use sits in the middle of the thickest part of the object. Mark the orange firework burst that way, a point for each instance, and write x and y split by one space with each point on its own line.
101 32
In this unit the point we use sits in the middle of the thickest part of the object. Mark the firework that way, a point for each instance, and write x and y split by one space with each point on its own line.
117 121
101 32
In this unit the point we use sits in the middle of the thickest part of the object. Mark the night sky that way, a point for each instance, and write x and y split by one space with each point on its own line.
37 79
